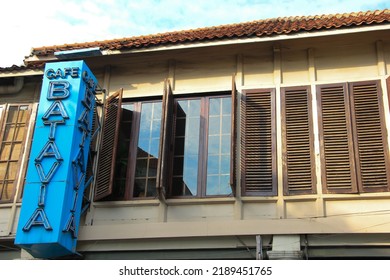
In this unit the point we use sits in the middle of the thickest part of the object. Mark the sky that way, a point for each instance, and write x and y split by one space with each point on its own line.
25 24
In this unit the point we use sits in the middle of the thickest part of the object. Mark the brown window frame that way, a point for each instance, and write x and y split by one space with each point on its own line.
355 150
128 192
104 190
24 149
204 99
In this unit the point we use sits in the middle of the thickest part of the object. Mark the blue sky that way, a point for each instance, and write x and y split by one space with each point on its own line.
27 24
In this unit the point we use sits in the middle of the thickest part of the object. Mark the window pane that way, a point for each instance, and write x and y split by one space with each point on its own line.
179 146
214 144
194 108
218 152
5 151
226 124
23 114
177 186
178 163
190 173
180 127
186 150
3 170
215 107
212 184
121 164
12 114
225 164
153 167
12 168
11 147
151 191
16 150
213 164
226 106
139 188
154 147
225 144
147 150
6 190
214 125
9 132
20 131
141 167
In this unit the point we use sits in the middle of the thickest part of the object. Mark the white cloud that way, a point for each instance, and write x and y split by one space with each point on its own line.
27 24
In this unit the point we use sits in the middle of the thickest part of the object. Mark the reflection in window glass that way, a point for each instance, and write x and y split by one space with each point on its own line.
201 160
147 150
186 155
218 153
125 135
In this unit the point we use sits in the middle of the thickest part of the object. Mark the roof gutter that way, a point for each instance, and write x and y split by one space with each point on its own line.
15 88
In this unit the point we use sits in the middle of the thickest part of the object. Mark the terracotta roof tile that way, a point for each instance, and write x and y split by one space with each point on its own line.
16 68
257 28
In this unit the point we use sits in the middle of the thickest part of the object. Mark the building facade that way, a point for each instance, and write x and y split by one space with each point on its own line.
266 139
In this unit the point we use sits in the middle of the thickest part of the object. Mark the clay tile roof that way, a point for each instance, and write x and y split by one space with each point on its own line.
259 28
15 68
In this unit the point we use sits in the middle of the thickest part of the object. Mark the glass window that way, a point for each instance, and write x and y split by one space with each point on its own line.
137 151
218 154
186 154
201 157
147 150
14 131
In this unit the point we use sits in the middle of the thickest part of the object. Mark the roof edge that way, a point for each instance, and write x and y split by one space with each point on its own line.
258 28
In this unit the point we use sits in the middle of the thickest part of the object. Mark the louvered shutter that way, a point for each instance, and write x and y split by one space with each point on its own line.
233 140
388 88
108 147
92 147
371 150
298 155
258 142
338 163
165 140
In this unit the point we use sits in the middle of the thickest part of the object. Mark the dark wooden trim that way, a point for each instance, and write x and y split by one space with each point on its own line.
165 141
132 156
203 146
233 137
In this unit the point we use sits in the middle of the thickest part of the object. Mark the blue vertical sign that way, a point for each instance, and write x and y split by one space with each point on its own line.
56 175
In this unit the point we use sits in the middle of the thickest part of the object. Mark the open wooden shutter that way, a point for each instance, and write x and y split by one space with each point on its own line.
298 150
258 142
388 88
371 150
233 141
165 140
338 163
108 146
92 147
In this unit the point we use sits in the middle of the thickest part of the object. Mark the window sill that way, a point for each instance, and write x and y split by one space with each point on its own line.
127 203
199 201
